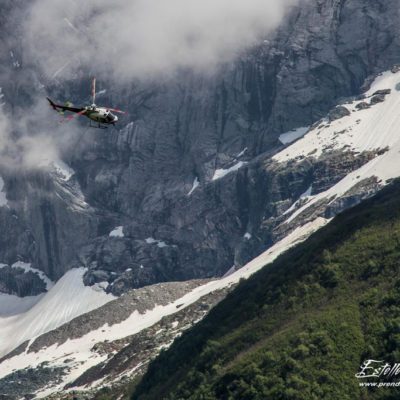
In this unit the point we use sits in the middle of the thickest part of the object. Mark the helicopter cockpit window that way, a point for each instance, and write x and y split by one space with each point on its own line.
110 117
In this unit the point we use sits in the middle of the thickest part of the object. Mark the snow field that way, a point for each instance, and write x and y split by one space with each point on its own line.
67 299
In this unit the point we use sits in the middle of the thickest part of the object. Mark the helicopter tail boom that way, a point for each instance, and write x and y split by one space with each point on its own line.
52 104
63 108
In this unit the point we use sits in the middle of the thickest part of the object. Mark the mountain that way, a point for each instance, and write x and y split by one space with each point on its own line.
302 327
85 348
139 175
121 240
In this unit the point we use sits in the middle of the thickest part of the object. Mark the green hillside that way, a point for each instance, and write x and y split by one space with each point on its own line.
301 327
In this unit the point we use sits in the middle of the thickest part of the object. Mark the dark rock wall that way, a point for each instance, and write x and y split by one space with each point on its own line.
139 174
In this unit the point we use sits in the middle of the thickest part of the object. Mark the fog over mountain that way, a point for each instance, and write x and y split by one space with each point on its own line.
144 38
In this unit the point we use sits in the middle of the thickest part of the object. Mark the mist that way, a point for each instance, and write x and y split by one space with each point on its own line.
123 40
144 38
31 140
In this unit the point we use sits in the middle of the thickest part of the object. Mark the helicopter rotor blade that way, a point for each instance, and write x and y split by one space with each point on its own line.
93 90
73 116
113 109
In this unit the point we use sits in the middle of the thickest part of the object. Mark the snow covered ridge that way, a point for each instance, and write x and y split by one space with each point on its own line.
79 354
371 125
364 129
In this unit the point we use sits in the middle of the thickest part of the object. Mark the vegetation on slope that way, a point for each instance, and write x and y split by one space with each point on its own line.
301 327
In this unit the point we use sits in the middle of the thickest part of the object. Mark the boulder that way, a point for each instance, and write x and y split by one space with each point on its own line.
338 112
379 98
362 106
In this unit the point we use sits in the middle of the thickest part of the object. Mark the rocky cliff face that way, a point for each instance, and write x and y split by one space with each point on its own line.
141 175
195 181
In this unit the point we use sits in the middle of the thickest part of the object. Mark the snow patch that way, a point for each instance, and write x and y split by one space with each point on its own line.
67 299
196 183
220 173
306 193
293 135
159 243
63 170
242 153
100 286
117 232
175 324
230 271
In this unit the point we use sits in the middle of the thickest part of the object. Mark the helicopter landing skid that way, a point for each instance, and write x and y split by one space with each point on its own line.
98 126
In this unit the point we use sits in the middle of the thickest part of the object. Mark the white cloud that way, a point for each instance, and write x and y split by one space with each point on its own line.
145 38
30 139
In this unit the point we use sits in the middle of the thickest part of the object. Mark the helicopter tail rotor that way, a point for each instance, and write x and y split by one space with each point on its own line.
67 104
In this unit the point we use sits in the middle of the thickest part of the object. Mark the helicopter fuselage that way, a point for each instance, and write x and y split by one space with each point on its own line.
100 115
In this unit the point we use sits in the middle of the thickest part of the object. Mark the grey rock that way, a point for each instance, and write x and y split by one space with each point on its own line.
114 312
16 281
360 97
379 98
138 350
24 383
395 68
362 106
94 276
383 92
338 112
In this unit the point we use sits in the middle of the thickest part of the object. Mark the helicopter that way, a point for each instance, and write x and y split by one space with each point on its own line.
101 115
